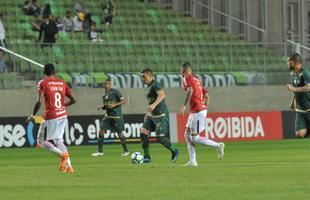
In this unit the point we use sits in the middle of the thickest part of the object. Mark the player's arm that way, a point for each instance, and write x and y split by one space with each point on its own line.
160 96
36 107
70 101
206 98
121 100
305 88
293 103
187 98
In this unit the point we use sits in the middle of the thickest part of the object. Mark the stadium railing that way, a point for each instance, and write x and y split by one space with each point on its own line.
130 57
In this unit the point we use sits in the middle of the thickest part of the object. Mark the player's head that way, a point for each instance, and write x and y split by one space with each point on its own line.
107 85
294 61
49 69
186 69
147 75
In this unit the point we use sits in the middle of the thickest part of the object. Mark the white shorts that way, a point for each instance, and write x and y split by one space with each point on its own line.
196 122
52 129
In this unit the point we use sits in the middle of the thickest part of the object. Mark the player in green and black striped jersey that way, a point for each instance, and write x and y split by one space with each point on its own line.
113 120
300 86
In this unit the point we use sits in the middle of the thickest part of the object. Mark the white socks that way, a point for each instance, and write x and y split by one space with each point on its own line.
190 148
60 144
205 141
192 140
50 147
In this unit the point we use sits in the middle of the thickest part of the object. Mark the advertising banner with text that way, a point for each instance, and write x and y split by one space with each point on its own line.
238 126
81 130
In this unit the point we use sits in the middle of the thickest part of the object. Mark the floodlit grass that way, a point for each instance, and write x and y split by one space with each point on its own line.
249 170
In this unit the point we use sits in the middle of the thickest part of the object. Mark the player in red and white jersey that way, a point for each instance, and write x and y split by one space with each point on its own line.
197 96
54 92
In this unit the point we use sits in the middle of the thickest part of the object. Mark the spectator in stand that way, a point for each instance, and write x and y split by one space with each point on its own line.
87 23
31 8
79 7
36 24
47 10
27 8
93 34
59 24
2 44
109 11
48 31
78 22
35 8
68 21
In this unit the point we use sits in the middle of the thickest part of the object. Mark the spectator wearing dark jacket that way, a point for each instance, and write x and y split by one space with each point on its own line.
87 22
31 8
35 7
109 11
48 32
47 10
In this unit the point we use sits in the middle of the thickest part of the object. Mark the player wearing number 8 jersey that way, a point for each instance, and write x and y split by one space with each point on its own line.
196 122
54 91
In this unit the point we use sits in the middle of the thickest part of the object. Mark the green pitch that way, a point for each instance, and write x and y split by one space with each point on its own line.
252 170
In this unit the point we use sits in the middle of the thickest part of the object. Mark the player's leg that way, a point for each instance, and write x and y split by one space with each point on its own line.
105 125
190 145
41 139
301 122
162 130
146 129
120 129
199 126
60 125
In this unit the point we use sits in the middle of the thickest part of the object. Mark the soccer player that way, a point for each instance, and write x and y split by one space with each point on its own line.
300 86
157 117
54 91
196 122
113 121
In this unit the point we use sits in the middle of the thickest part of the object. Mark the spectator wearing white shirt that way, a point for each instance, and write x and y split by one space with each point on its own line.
78 22
68 21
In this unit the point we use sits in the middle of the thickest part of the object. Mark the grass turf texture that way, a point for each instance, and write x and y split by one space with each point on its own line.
250 170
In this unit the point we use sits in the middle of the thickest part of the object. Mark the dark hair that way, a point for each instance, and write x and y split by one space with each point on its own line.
147 70
108 79
68 11
49 69
296 58
186 66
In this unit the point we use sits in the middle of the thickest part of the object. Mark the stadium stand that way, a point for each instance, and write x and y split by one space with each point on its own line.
141 35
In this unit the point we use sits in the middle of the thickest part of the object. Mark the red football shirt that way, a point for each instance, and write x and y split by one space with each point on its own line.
54 90
196 103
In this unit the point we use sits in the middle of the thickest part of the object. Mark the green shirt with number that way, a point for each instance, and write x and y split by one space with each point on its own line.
113 96
299 80
152 95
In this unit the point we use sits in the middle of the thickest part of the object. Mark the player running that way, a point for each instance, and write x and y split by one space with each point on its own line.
157 118
54 91
196 122
300 78
113 121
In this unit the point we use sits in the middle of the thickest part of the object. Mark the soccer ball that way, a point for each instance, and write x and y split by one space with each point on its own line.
136 158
